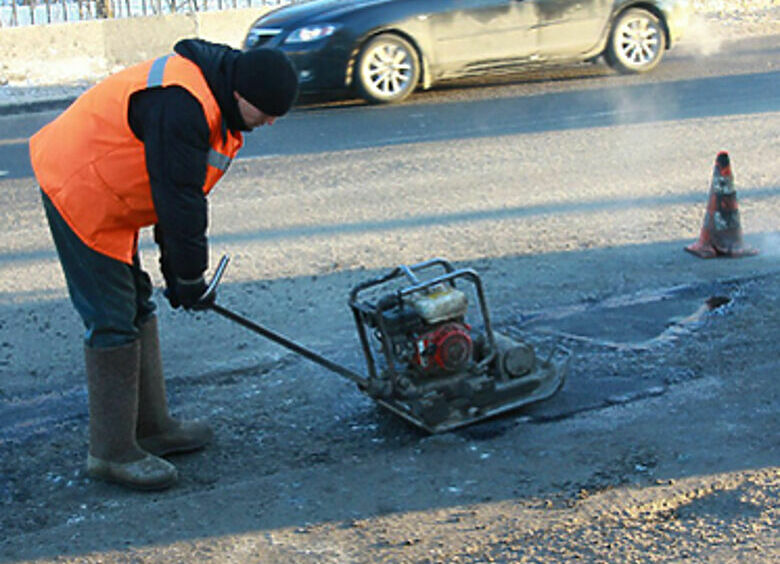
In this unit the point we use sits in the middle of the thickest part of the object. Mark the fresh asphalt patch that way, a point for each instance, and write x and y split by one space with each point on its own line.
616 332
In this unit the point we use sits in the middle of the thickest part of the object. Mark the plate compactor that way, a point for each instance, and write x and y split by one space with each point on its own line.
427 360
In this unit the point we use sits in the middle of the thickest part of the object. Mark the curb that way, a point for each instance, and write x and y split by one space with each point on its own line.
33 106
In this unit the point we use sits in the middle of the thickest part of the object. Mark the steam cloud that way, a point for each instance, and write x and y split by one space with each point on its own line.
703 36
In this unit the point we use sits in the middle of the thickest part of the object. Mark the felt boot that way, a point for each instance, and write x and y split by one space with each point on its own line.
157 431
114 454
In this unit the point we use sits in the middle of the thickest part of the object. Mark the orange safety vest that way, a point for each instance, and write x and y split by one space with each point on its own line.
93 168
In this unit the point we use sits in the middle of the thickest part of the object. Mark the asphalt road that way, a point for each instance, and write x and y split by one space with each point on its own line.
571 158
571 193
740 79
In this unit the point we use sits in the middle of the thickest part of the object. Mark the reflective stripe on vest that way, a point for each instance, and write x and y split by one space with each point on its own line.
157 71
218 160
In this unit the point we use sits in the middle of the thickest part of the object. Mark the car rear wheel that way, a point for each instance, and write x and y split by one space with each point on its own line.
637 42
387 69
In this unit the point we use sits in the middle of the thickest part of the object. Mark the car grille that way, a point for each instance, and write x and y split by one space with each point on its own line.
261 36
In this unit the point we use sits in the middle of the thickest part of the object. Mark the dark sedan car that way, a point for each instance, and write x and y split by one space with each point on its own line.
384 49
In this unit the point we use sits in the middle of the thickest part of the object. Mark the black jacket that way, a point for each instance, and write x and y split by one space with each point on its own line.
173 127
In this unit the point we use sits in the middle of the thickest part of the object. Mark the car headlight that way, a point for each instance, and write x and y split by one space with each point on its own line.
311 33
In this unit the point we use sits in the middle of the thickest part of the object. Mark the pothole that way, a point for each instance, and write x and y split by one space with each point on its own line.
637 322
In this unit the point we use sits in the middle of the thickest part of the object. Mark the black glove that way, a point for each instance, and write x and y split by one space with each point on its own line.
188 294
170 293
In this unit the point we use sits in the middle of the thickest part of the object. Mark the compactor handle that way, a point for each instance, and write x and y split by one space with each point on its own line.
207 301
211 289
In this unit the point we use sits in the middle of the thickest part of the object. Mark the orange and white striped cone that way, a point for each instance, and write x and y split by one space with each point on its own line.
721 234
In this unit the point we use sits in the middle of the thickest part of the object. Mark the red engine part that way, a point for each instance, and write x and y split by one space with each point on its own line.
446 348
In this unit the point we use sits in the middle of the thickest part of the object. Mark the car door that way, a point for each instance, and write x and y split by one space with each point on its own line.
472 34
567 28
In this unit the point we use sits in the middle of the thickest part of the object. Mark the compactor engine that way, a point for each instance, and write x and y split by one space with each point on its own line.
427 363
428 332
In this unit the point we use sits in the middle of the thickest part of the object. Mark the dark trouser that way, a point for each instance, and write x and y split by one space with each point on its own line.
113 298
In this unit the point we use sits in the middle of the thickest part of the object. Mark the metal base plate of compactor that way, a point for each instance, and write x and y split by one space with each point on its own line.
477 398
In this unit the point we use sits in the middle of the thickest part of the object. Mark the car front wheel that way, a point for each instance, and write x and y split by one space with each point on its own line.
387 69
637 42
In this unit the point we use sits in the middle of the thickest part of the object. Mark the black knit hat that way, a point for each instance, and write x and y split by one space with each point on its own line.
267 79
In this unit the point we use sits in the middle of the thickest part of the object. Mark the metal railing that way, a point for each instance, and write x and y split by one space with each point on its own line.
16 13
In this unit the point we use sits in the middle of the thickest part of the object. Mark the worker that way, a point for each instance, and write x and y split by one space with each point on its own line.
143 148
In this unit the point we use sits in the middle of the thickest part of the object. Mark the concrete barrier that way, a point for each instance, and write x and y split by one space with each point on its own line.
90 50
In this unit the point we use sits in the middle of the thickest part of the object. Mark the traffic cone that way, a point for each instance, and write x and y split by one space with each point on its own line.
721 234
